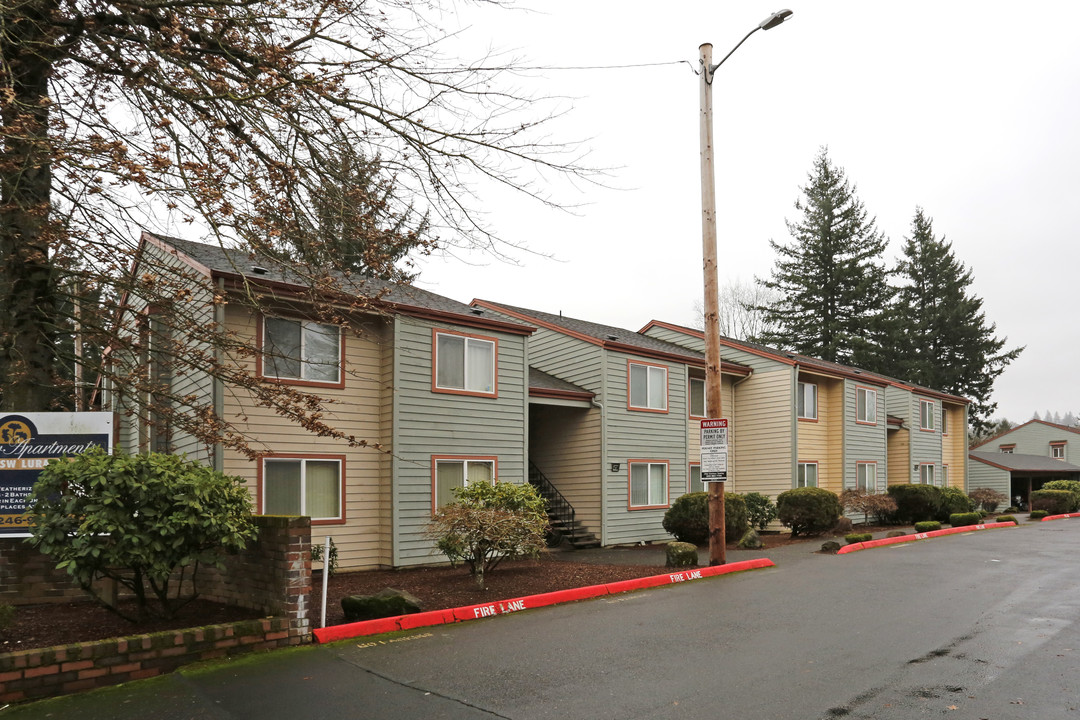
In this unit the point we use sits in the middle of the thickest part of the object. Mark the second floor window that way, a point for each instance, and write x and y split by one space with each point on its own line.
1057 451
301 350
464 364
926 415
866 406
648 387
807 401
697 398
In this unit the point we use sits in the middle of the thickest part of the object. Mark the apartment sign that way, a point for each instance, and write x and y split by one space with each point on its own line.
28 441
714 450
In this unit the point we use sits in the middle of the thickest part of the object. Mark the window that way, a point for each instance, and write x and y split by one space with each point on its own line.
302 486
926 474
926 415
1057 451
453 472
301 350
697 398
944 421
648 484
695 484
866 406
807 476
648 387
464 364
807 401
945 476
1007 449
866 476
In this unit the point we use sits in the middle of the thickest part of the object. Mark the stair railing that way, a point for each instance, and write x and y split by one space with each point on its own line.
559 506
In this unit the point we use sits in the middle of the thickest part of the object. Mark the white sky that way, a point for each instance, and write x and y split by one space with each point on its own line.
970 110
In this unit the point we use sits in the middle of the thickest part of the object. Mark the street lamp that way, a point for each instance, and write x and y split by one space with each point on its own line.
717 550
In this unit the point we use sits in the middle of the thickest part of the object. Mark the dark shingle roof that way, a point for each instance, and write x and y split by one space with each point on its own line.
1024 463
540 380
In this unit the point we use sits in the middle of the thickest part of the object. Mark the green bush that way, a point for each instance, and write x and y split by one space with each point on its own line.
1012 509
852 538
7 616
915 503
808 510
964 519
982 513
1007 518
1054 502
1037 514
317 556
688 518
760 509
987 498
1072 486
927 526
488 523
953 501
145 521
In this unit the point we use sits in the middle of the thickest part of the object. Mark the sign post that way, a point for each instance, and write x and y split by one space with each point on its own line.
28 441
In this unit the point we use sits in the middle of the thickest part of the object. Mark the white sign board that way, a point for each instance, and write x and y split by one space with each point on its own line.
714 450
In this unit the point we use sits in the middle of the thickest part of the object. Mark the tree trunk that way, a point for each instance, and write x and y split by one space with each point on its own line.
27 293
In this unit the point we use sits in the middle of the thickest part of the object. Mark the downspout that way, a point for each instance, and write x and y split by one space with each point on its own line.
217 384
794 469
734 417
603 471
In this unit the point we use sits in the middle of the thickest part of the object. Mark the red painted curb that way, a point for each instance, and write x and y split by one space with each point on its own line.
920 536
1059 517
503 607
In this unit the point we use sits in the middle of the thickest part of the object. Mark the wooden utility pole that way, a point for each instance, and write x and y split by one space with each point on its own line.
713 381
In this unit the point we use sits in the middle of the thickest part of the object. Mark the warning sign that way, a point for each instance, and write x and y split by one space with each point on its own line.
714 450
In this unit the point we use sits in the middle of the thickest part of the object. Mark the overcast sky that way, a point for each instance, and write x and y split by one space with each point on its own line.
969 110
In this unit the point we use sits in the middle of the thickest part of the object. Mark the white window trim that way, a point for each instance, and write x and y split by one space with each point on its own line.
801 389
870 487
464 461
648 386
304 361
802 467
1061 447
866 406
465 364
922 474
303 461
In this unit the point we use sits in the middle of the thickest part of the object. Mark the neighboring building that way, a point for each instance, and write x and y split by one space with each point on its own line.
1019 461
821 423
441 391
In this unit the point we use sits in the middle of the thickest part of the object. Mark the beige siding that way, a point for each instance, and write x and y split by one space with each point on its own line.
693 430
899 444
762 434
954 445
362 540
565 445
822 440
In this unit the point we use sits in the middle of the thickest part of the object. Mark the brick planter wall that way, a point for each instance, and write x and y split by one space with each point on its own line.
28 577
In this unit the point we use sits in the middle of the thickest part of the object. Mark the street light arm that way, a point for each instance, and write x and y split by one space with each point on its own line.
767 24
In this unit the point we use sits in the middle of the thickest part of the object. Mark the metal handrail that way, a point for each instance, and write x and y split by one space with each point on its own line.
557 503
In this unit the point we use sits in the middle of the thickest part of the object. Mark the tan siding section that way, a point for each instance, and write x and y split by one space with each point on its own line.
954 445
761 435
899 457
363 541
564 443
822 441
693 430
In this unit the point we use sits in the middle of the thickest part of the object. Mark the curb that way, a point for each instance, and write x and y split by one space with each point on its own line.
1059 517
920 536
334 633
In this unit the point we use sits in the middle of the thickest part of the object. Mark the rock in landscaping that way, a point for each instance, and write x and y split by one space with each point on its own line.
895 533
680 554
830 548
751 541
843 526
385 603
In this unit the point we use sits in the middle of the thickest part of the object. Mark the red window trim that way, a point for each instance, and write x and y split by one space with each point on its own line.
817 473
493 459
869 390
688 467
931 403
689 379
866 462
260 335
921 466
667 388
817 401
667 483
435 332
300 456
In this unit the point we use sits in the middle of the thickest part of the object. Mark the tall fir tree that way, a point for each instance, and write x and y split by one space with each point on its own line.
945 338
831 280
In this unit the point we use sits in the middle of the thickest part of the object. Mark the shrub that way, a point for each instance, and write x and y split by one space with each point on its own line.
964 519
915 503
681 554
879 506
488 523
760 509
927 526
7 616
982 513
143 521
688 518
987 498
1037 514
1054 502
808 510
317 556
852 538
953 501
1012 509
1072 486
1007 518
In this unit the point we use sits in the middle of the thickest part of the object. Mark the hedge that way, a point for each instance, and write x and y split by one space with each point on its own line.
808 510
915 503
1054 502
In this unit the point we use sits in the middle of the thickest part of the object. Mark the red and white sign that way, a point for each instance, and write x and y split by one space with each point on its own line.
714 450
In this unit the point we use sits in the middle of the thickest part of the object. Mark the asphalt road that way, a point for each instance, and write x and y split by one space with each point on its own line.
982 625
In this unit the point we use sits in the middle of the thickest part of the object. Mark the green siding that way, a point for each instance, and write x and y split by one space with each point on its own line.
1034 438
925 445
981 475
864 443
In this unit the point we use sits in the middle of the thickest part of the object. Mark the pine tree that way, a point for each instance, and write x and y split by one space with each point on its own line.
945 335
831 280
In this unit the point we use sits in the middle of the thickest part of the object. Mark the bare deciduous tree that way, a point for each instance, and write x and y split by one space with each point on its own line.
740 311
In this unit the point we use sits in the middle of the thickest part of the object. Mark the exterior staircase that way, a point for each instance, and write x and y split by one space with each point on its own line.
564 525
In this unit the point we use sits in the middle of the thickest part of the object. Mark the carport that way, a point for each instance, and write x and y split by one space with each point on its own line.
1018 475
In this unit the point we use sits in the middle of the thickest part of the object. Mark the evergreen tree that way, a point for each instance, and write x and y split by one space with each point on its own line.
830 280
945 335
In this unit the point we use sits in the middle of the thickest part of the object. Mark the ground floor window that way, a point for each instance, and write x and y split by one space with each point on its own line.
695 479
807 475
309 486
451 472
926 474
866 476
648 483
